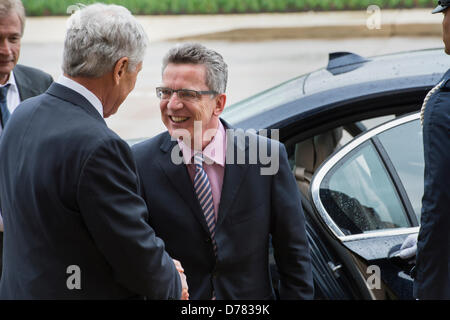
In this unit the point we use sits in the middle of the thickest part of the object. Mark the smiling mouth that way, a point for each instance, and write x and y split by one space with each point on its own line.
178 119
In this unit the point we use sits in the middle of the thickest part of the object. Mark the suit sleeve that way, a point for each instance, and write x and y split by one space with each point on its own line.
291 248
115 216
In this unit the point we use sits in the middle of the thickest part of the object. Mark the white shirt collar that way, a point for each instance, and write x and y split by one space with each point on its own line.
75 86
11 81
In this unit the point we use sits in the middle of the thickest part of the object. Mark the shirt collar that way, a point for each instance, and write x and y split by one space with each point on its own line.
11 81
214 152
92 98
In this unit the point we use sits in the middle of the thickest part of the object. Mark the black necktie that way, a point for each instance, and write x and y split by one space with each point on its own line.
4 112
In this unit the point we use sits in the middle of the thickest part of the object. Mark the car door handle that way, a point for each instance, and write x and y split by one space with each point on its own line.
335 268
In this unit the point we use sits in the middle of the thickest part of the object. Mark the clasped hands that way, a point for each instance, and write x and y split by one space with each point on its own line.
184 286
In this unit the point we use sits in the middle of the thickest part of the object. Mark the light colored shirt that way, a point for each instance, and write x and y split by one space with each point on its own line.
75 86
12 97
214 164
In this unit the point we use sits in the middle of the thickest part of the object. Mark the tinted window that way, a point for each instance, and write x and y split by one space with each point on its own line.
359 195
404 145
373 122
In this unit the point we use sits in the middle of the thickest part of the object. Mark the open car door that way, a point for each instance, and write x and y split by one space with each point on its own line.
367 197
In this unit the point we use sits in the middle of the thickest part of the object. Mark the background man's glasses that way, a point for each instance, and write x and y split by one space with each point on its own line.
183 94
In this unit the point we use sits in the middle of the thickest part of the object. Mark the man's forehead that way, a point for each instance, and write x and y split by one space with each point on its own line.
187 67
10 24
185 71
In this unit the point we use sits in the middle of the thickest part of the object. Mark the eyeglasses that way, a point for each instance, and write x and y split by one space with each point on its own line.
184 94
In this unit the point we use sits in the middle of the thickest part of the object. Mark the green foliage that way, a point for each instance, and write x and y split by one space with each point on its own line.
409 3
253 5
60 7
426 3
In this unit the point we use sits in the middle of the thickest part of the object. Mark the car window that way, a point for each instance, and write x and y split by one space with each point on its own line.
407 158
319 148
373 122
359 195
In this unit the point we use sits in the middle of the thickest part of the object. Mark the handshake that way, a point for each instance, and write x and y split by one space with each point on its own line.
184 286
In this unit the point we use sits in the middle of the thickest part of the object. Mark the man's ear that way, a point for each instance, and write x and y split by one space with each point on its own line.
120 68
221 99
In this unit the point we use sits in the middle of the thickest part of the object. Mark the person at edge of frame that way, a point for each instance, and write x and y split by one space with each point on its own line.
432 270
74 224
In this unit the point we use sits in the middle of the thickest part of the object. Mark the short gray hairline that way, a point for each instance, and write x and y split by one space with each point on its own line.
135 54
15 6
170 57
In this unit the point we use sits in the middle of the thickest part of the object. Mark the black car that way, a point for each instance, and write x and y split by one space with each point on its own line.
353 135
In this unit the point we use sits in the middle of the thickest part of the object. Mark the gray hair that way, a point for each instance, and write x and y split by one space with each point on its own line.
13 6
195 53
98 36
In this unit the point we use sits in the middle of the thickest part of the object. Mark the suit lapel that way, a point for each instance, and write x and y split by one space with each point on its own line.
24 85
180 180
234 172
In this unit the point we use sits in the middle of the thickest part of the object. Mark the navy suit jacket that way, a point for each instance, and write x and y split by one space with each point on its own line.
69 197
30 82
253 209
432 280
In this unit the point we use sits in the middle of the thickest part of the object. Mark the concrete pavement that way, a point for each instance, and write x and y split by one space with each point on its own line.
245 27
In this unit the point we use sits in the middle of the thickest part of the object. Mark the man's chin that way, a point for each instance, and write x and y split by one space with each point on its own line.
179 133
5 71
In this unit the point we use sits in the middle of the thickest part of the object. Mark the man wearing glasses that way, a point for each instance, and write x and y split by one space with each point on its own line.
217 215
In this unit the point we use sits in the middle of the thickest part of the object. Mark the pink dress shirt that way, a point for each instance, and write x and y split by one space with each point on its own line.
214 165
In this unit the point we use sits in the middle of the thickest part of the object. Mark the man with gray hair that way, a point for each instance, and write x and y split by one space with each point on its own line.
216 213
75 226
17 82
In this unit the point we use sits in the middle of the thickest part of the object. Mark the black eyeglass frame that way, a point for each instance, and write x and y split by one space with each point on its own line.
197 93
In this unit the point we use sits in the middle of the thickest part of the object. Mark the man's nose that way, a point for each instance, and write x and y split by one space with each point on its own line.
5 48
174 102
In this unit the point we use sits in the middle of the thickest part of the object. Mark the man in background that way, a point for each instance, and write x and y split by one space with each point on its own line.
17 82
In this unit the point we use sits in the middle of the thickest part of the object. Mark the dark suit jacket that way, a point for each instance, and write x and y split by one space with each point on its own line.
69 196
432 280
253 208
30 82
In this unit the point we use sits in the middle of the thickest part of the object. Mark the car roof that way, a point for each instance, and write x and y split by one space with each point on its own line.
347 77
